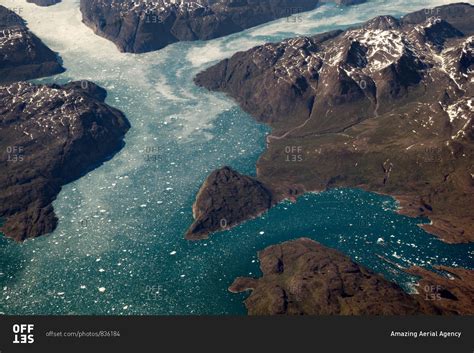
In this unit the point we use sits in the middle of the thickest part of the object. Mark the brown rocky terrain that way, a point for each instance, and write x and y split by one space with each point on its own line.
225 199
50 135
145 25
386 106
23 56
302 277
451 293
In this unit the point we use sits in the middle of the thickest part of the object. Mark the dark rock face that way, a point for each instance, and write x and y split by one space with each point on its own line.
23 56
459 15
50 135
351 73
44 2
226 199
143 26
349 2
302 277
386 106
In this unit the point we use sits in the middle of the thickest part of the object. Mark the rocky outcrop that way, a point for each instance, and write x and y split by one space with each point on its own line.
451 290
226 199
44 2
303 277
142 26
50 135
23 56
386 106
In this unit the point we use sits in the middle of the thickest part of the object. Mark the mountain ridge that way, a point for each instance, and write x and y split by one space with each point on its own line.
50 135
144 26
385 106
23 55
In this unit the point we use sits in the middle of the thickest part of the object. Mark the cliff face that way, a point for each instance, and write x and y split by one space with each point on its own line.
143 26
44 2
302 277
226 199
387 106
23 56
50 135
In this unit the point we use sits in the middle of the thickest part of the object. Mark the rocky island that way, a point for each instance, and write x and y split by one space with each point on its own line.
386 106
303 277
226 199
23 55
50 135
142 26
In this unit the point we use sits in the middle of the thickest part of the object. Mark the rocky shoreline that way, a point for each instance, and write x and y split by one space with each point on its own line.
451 289
50 135
142 26
303 277
23 56
226 199
386 107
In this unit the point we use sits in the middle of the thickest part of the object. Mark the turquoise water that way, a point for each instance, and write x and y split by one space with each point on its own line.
119 246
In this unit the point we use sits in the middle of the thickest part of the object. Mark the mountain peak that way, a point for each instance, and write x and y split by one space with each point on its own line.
382 23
